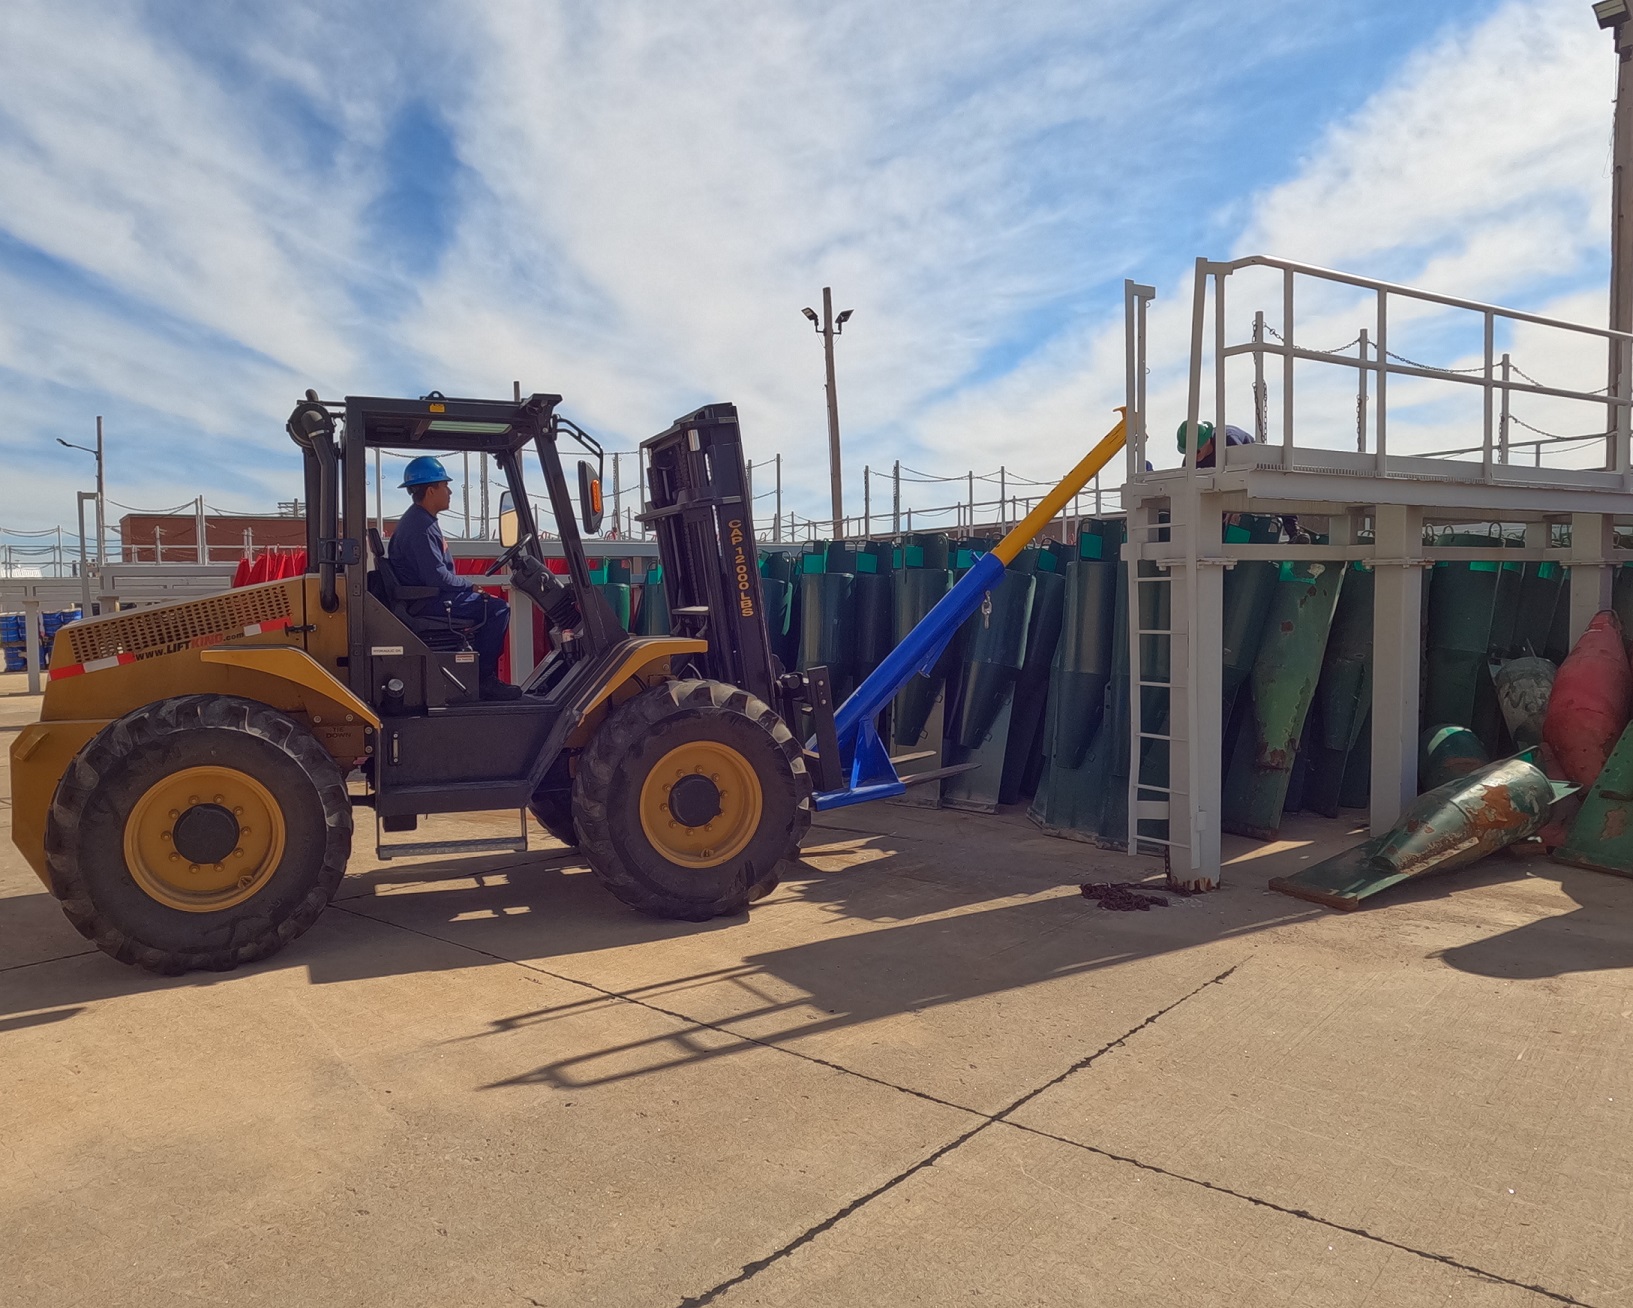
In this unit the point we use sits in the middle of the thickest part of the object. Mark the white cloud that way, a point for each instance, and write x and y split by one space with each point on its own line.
649 193
130 163
1502 122
1478 171
664 201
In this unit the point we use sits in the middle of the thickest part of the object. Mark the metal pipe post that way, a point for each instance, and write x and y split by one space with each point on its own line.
828 334
203 539
1261 419
1621 209
1361 398
1502 425
31 642
1488 419
84 560
1287 370
1381 421
1193 397
896 499
101 502
1219 415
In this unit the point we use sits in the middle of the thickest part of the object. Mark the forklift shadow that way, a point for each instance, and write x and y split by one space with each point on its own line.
385 921
530 907
865 926
801 992
951 950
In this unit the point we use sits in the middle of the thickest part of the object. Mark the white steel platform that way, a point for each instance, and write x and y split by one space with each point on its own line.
1374 503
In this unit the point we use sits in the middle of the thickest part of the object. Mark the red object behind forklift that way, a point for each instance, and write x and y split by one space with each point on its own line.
1592 695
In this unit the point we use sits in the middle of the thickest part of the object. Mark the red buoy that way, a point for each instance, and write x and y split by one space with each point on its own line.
1592 696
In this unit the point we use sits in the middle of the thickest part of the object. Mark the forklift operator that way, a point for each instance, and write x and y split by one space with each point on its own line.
419 556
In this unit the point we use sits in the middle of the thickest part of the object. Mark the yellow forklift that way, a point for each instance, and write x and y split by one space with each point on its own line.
190 790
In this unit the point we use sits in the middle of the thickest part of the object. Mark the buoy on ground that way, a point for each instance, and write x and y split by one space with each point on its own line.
1588 707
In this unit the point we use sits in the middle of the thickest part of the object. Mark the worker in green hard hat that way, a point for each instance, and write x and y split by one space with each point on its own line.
419 556
1205 440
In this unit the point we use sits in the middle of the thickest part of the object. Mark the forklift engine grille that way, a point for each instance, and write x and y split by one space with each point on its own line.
177 627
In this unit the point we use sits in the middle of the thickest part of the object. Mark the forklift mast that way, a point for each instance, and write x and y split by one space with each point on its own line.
698 505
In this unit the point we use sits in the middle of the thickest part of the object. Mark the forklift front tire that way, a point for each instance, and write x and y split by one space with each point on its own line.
198 832
689 797
552 805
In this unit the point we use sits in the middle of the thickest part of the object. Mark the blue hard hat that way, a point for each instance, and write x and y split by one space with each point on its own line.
424 470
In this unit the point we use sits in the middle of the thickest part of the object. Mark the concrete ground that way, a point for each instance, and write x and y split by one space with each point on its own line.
926 1071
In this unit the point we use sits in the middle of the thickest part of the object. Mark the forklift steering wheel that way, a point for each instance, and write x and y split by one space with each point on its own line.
508 557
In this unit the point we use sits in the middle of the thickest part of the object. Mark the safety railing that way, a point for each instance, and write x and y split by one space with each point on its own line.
1387 320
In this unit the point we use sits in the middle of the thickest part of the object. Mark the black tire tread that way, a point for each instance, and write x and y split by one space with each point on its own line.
254 938
612 745
552 805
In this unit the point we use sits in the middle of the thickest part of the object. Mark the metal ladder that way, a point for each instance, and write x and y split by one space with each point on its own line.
1151 686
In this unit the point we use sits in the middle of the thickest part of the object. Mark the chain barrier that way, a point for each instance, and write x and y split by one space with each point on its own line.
1334 353
1555 436
1435 367
1514 367
1398 358
156 513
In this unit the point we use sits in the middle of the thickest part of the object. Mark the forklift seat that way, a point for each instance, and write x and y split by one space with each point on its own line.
414 606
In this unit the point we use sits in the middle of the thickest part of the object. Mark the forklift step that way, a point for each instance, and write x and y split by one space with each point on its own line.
493 845
513 844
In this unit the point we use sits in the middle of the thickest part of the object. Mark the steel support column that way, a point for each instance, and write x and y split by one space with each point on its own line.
1397 652
1591 574
31 649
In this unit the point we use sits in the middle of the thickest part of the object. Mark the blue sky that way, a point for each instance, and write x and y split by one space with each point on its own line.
208 208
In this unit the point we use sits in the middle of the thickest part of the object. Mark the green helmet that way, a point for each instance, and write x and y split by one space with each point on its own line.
1204 434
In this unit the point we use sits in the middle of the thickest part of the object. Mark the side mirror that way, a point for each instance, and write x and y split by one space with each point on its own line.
589 497
510 524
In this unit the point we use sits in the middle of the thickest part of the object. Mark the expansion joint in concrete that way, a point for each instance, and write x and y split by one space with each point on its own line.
753 1269
41 962
1304 1214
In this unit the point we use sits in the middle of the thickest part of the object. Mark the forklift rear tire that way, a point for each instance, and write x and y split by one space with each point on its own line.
689 797
199 832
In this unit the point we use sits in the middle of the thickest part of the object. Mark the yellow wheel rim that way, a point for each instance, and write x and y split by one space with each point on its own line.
203 839
737 797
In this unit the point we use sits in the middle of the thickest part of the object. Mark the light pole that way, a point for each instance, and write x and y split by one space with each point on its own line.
101 490
827 328
1614 15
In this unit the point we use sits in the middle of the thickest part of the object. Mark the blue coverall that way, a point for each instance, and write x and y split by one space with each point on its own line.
420 557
